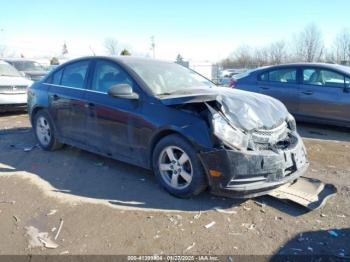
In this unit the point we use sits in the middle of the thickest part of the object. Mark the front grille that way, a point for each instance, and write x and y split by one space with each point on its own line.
266 139
13 89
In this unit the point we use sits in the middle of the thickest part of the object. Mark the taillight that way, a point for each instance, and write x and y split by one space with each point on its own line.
232 83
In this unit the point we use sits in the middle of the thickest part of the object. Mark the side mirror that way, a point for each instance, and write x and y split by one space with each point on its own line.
122 91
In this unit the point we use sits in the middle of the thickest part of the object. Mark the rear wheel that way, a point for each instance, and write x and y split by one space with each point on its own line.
44 131
177 167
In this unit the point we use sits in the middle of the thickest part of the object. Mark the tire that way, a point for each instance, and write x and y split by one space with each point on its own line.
178 168
45 132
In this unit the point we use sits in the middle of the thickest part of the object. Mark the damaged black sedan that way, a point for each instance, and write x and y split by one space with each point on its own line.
165 117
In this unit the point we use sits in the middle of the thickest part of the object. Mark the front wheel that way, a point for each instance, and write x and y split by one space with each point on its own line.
44 132
178 168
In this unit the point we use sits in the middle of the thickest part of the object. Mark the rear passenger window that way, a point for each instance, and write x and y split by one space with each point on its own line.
264 77
288 75
74 74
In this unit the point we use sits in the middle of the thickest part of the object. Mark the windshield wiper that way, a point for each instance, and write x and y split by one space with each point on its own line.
164 94
5 75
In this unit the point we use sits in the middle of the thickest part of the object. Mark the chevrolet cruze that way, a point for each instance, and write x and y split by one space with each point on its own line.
164 117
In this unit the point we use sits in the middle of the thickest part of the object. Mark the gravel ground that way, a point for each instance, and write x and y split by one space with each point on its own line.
108 207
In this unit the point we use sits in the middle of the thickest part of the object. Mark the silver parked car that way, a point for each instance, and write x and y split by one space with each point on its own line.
29 68
312 92
13 88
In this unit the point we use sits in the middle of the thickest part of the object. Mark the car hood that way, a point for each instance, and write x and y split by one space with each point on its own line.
243 109
14 81
35 73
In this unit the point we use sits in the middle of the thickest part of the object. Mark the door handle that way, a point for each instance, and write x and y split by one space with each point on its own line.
264 87
55 97
89 105
307 92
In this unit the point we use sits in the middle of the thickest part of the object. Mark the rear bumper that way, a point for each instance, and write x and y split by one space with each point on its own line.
253 173
13 99
13 102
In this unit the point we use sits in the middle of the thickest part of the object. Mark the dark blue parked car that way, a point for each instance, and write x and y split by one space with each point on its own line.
165 117
312 92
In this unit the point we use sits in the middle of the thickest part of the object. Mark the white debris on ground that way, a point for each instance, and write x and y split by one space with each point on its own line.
210 224
39 239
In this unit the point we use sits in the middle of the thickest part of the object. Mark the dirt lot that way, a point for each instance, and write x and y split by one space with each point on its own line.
108 207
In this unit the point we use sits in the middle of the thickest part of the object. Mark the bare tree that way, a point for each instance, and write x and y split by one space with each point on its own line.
261 57
342 46
111 45
309 44
3 50
243 56
277 53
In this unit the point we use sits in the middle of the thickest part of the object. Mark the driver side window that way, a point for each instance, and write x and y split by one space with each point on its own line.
108 74
321 77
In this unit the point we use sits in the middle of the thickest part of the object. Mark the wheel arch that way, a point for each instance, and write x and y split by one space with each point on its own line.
164 133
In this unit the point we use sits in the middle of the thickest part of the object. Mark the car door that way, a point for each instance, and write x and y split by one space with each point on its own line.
281 83
324 94
111 121
66 101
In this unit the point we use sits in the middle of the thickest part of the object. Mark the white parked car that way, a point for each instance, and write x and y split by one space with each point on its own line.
13 88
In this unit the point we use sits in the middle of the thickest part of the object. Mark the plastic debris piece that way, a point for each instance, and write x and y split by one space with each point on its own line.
48 243
341 216
246 208
12 202
16 218
260 204
248 226
190 246
323 215
53 229
59 229
198 215
210 224
29 148
333 233
218 209
39 239
52 212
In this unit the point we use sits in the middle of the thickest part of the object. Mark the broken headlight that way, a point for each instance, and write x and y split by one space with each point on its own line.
229 135
291 122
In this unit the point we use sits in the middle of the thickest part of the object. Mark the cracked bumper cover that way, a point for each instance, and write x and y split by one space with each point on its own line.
252 173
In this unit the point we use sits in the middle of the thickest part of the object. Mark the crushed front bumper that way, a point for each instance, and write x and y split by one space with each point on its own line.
245 174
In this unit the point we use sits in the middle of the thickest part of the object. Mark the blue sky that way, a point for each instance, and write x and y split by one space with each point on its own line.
195 28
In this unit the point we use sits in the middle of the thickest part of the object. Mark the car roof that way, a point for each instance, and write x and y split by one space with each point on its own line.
3 62
18 59
123 59
341 68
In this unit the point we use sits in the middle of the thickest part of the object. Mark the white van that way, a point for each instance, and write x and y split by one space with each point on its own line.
13 88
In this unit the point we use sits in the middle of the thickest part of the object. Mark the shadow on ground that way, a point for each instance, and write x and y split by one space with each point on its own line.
323 243
76 172
79 173
324 132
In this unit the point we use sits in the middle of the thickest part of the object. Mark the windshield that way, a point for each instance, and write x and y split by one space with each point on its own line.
8 70
165 78
28 66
